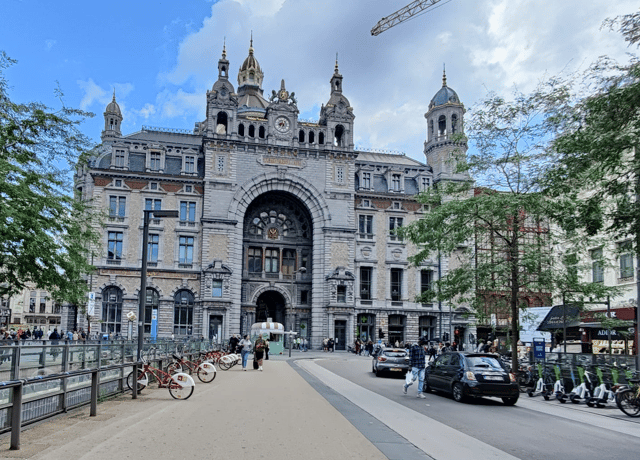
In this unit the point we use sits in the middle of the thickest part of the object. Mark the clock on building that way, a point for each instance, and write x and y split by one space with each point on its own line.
283 124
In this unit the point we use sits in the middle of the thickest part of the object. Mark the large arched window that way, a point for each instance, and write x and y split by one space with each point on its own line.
339 136
222 123
183 313
152 302
442 125
454 123
111 310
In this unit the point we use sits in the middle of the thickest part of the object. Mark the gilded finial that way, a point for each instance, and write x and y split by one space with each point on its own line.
251 43
224 48
336 62
114 94
444 76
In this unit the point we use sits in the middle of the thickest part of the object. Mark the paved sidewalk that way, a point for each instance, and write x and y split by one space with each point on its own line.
241 415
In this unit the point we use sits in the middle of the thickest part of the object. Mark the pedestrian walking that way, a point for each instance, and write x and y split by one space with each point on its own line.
266 349
417 369
245 345
233 343
258 351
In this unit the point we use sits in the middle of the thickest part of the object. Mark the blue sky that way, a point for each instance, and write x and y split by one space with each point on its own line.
161 56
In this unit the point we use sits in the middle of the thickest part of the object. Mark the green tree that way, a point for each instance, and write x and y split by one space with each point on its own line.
498 234
44 229
597 177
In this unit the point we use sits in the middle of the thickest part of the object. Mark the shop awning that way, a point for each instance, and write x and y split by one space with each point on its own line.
266 327
560 316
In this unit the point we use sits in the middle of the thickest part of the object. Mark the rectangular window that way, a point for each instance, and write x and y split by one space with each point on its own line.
342 294
187 211
425 280
304 297
395 182
366 203
426 182
626 260
189 164
394 224
117 206
216 288
154 161
366 181
119 159
365 282
271 261
114 246
365 226
152 248
220 164
57 309
152 204
43 304
396 284
597 268
255 260
288 261
186 250
340 174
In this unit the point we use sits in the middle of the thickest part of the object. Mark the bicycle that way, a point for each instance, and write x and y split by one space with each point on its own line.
628 401
180 385
205 370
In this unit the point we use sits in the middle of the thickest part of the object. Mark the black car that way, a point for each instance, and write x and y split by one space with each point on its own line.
471 374
390 360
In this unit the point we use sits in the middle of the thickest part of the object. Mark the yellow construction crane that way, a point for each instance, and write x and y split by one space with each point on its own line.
411 10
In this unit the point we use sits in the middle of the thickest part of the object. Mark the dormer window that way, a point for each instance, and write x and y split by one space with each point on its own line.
395 182
189 164
365 180
155 161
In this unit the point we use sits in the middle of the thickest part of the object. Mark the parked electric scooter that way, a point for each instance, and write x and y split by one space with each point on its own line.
602 394
543 387
583 391
558 386
563 399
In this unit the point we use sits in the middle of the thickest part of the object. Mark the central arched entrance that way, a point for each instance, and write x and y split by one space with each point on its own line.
270 304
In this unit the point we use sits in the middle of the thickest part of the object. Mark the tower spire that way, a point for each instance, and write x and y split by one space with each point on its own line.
336 69
444 76
224 48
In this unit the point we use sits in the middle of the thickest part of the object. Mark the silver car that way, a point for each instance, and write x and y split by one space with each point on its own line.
390 361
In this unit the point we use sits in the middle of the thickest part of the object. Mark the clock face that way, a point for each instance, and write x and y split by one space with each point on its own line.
282 124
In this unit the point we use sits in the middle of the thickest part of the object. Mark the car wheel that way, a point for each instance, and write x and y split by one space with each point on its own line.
426 387
509 401
458 392
378 373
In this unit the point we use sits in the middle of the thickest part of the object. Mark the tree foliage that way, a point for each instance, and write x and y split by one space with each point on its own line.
44 230
498 234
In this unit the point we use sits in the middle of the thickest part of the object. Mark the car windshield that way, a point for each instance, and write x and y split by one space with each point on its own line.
484 361
395 353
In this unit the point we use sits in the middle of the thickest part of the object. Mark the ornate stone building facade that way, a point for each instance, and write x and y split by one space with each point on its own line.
279 218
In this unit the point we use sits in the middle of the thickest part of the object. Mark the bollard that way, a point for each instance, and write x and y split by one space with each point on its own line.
94 393
134 390
16 417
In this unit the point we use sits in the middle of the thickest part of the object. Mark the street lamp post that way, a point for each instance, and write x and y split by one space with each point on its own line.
294 299
158 214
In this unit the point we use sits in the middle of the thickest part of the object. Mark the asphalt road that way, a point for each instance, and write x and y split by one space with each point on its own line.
533 429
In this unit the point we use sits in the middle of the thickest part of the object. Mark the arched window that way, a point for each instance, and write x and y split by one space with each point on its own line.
111 310
151 303
252 131
261 132
301 136
454 123
221 123
240 129
442 125
183 313
430 129
321 138
312 137
338 141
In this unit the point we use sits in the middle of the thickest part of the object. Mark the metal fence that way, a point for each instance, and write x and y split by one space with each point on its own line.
45 378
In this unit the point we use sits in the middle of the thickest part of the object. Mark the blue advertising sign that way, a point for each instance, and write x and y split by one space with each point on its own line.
154 324
538 349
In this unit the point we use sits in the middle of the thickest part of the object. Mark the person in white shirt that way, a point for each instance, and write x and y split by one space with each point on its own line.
246 349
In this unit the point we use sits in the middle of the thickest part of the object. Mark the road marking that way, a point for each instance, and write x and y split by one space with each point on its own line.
442 443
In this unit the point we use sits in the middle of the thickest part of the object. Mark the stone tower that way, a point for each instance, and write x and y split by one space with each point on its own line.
112 121
446 145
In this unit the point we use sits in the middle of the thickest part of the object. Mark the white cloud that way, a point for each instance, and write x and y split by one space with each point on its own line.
389 79
92 93
50 43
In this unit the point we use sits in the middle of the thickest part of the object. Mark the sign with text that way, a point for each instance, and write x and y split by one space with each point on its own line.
538 349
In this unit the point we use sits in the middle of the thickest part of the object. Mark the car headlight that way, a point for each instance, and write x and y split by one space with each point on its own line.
470 375
512 376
